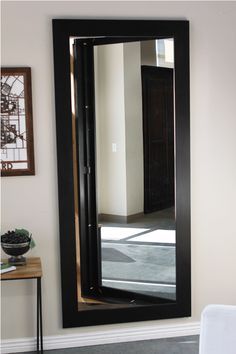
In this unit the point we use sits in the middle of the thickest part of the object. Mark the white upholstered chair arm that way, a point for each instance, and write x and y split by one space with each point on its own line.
218 330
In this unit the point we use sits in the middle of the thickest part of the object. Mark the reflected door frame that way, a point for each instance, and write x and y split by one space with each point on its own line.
158 137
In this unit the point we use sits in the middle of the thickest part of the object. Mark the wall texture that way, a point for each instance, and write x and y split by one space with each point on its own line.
32 202
118 100
110 129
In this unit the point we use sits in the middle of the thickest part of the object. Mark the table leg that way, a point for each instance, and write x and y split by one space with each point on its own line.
39 317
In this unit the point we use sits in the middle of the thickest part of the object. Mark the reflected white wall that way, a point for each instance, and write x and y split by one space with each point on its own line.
133 127
110 129
119 144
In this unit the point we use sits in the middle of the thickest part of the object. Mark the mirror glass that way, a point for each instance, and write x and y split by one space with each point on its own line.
135 165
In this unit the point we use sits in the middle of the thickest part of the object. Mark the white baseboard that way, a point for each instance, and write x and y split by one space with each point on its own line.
101 337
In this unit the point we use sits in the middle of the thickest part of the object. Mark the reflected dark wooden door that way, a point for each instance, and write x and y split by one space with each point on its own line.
158 133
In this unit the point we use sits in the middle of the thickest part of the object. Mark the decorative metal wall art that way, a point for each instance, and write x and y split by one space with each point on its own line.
17 149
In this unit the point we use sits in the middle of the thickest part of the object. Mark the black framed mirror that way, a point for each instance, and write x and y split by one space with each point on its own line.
123 143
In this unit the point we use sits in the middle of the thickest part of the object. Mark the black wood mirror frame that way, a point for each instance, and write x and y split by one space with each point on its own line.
63 30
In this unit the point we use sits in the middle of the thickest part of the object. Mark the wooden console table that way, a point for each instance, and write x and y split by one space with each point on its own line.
32 270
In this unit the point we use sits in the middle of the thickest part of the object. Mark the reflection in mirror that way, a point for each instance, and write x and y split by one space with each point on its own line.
134 98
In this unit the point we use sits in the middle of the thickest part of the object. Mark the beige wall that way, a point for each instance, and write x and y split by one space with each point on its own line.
148 53
32 202
118 99
110 129
133 127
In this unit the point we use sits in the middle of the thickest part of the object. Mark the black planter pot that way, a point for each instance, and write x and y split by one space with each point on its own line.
16 251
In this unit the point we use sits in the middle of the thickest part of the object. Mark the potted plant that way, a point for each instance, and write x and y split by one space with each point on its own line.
16 243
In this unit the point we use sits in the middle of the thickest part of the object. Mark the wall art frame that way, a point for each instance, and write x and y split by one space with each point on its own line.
17 145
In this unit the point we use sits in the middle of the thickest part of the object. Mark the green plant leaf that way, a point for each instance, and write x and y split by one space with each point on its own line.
32 242
22 232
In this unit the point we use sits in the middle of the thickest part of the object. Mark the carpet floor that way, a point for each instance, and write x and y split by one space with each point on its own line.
179 345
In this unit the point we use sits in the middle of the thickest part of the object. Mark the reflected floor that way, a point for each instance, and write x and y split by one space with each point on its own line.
140 256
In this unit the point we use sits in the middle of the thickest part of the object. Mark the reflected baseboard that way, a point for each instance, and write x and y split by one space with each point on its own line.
119 219
106 336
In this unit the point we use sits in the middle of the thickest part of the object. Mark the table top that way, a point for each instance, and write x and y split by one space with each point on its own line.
32 269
